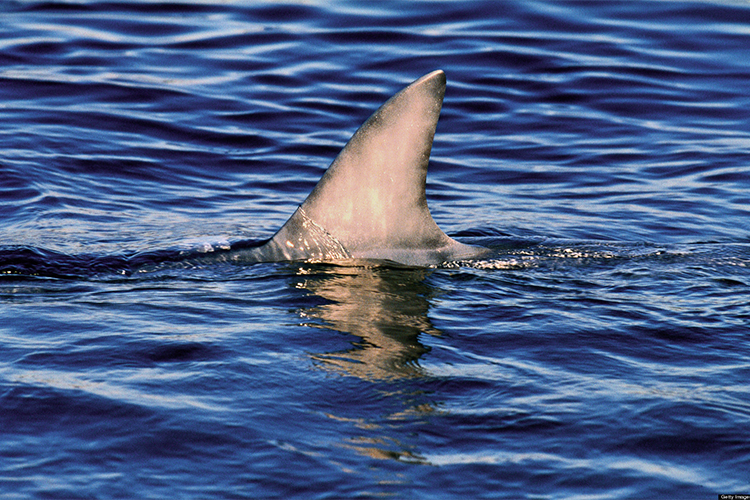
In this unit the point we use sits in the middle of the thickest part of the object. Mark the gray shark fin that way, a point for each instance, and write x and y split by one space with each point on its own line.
371 203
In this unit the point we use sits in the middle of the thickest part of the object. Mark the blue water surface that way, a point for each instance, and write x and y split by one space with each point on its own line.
601 150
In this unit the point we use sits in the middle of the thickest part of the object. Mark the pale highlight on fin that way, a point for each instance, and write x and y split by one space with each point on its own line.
371 202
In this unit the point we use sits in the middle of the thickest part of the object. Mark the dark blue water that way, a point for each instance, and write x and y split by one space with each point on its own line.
602 350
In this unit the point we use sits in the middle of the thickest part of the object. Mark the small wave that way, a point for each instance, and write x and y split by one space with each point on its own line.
26 261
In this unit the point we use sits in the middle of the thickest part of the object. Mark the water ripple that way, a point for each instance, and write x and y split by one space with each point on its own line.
600 150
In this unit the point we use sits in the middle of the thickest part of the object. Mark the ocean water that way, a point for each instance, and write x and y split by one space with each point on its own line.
601 350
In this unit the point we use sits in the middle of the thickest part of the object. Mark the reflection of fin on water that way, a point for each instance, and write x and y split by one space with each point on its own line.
385 309
371 203
383 312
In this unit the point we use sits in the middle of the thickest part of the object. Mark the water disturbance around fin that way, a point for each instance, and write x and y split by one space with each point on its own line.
371 202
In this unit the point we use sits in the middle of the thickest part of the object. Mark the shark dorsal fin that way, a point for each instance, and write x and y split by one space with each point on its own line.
371 203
